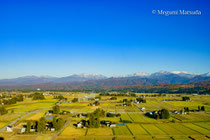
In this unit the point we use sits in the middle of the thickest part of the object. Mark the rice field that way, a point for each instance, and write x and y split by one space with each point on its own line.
194 125
35 116
125 116
203 125
183 129
201 116
140 118
71 131
29 106
168 129
197 128
136 129
121 130
153 130
2 124
99 132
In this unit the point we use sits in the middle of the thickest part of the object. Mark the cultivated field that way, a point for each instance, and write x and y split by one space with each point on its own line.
131 124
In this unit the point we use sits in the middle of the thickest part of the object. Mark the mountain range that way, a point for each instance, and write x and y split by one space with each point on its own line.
98 80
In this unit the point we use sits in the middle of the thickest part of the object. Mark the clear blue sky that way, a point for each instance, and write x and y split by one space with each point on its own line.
110 37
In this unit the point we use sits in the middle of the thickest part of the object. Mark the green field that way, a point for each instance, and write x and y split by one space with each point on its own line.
136 129
195 125
121 130
99 132
184 130
153 130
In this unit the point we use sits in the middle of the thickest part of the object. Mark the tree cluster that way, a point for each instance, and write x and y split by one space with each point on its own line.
12 100
113 98
75 100
38 96
163 114
127 102
94 118
60 97
58 123
94 121
185 98
133 95
141 100
200 108
112 115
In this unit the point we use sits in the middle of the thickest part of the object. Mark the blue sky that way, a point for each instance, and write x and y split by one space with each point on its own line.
110 37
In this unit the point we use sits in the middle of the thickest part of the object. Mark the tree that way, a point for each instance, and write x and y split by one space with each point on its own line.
41 124
19 97
75 100
60 123
38 96
94 121
28 128
186 109
56 109
55 124
99 112
94 118
3 110
163 114
125 100
202 108
91 120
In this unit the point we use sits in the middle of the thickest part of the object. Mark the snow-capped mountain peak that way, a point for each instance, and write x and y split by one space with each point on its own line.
185 74
207 74
163 72
89 75
142 74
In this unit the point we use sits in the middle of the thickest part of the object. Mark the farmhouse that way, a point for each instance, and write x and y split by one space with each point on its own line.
64 112
81 115
108 123
23 130
142 108
82 124
135 101
49 126
9 128
49 112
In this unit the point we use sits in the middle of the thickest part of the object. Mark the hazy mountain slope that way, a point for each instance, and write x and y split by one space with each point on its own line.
97 80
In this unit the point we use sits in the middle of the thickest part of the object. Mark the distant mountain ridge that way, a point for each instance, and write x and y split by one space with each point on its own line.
96 80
